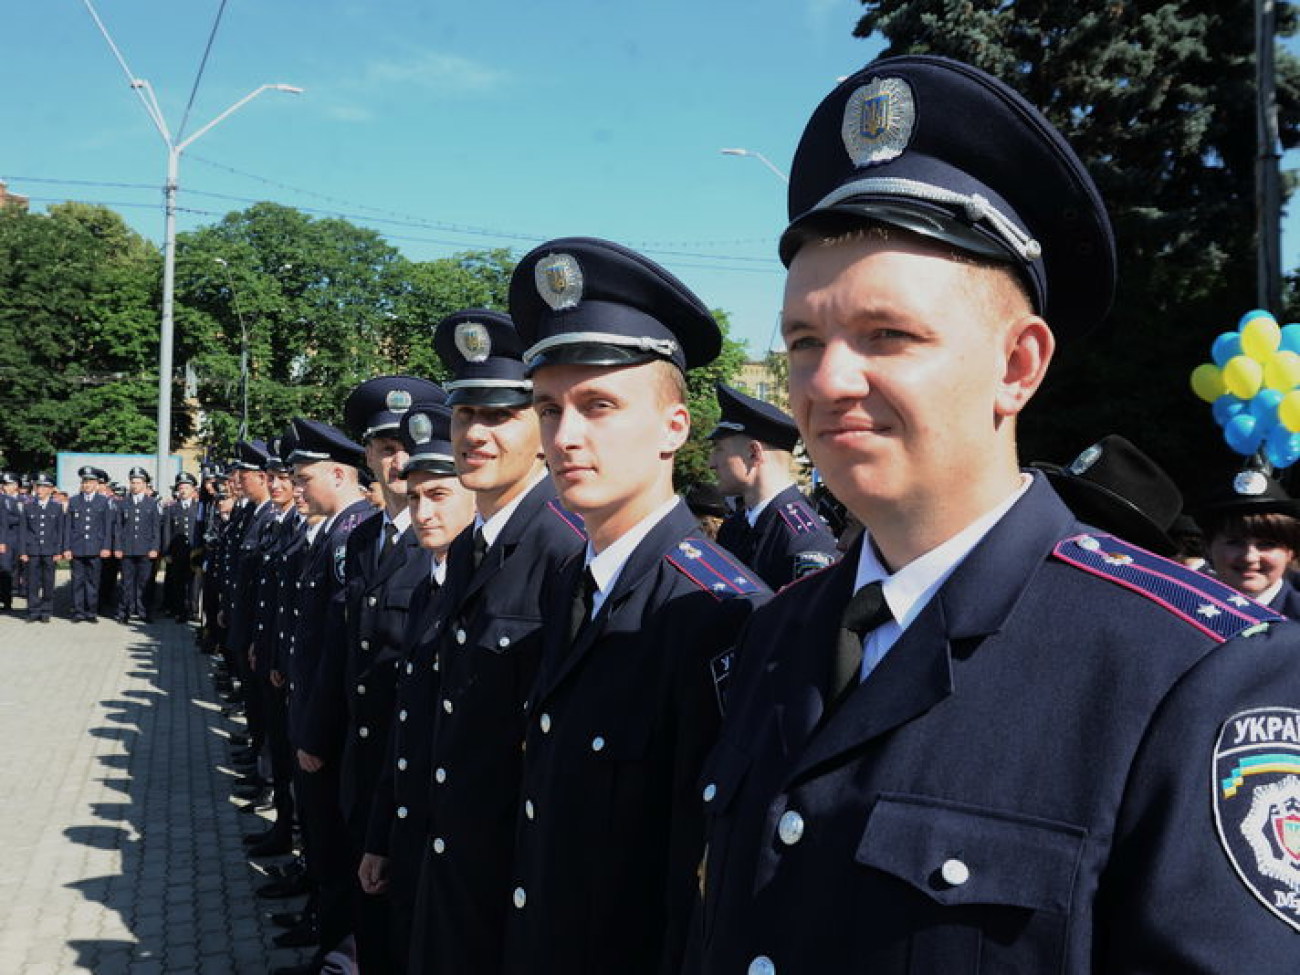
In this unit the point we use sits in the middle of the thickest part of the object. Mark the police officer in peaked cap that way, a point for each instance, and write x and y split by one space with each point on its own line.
42 537
777 533
639 624
89 540
990 737
137 540
385 564
180 537
9 515
488 644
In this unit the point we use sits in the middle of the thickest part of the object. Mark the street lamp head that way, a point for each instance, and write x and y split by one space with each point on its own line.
735 152
292 89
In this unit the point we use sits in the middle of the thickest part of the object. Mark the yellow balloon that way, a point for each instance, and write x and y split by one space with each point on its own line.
1288 411
1282 372
1243 376
1260 337
1207 381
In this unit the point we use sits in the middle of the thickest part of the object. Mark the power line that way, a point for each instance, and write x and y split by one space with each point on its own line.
198 77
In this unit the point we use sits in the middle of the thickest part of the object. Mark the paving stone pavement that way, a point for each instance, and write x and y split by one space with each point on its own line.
122 847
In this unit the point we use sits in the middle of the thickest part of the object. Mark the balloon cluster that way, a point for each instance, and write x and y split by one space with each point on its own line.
1253 386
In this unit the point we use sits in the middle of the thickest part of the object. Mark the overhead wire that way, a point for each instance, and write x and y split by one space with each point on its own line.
198 77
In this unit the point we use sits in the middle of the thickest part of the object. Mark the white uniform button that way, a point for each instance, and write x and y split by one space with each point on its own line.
401 715
365 644
954 872
372 600
438 844
435 664
410 667
529 809
447 705
546 724
790 828
762 965
503 642
361 688
401 812
401 765
597 744
460 637
363 731
710 792
521 897
440 775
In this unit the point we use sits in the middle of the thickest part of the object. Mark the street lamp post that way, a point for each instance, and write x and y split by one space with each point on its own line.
761 158
174 150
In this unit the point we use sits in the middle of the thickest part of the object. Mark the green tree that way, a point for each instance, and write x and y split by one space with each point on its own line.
692 462
78 334
1157 98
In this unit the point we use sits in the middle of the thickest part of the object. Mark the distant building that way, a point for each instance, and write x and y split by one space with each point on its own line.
758 380
8 199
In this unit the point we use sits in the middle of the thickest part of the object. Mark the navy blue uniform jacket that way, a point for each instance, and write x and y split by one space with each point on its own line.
1026 783
489 651
89 532
610 829
788 540
139 526
377 603
317 708
42 529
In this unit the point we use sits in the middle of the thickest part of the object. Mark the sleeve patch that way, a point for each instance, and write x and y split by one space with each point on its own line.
806 562
713 569
1257 805
1210 606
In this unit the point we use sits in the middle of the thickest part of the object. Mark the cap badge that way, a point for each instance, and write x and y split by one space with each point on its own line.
398 400
1250 483
1086 459
421 428
878 121
559 281
473 341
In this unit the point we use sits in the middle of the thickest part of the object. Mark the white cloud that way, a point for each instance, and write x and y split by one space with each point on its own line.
440 73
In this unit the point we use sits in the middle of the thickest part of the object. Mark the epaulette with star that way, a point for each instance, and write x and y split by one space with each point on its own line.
1214 608
712 568
568 517
800 517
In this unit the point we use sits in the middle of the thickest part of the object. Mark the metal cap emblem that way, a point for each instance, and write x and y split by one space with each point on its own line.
879 119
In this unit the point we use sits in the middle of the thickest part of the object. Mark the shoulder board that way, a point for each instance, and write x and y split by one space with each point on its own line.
800 517
712 568
1216 609
568 517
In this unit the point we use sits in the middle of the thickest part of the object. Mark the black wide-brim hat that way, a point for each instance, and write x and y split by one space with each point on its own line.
1250 492
944 150
1116 487
591 302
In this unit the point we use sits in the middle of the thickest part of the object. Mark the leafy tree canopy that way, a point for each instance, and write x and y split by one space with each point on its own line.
1158 100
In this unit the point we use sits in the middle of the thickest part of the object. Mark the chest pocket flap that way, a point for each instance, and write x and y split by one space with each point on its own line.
501 634
958 854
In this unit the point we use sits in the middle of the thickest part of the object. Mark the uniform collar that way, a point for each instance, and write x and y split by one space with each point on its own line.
606 566
497 523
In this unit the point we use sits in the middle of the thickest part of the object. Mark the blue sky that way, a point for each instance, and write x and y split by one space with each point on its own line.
484 124
447 127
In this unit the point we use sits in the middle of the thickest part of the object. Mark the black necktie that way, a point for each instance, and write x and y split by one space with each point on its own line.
583 599
865 611
480 547
390 541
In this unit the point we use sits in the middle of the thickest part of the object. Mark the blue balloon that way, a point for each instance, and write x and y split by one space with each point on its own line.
1226 407
1282 447
1263 406
1254 312
1225 347
1290 338
1241 434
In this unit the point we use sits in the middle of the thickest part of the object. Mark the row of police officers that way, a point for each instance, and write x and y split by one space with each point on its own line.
532 719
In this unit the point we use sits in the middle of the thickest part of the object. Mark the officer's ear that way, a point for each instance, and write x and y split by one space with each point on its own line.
1028 347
